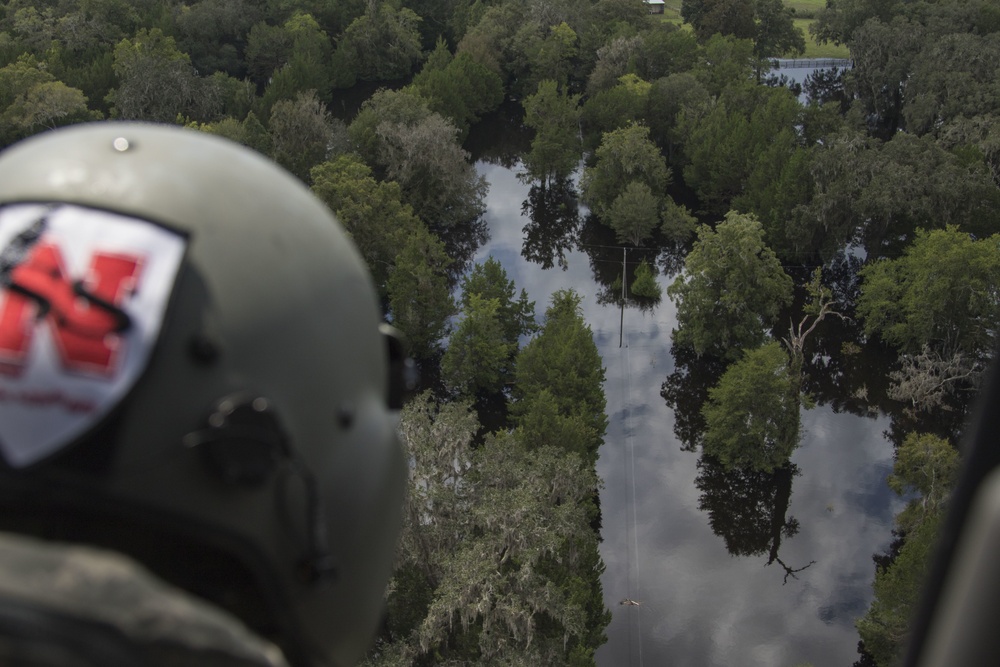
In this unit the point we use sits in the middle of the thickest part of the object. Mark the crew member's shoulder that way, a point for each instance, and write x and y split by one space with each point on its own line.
78 606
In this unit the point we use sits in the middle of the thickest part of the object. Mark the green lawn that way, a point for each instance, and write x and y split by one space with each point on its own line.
805 9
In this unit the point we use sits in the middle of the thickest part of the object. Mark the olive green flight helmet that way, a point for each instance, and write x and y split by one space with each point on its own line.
192 371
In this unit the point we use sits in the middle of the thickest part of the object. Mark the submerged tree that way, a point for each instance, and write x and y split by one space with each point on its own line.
731 291
554 115
420 300
626 156
752 414
563 360
927 465
941 293
645 284
626 187
489 280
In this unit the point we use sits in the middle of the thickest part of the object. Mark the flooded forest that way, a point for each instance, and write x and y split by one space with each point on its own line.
697 338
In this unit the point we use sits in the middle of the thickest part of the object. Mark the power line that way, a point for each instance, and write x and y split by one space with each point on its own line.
631 545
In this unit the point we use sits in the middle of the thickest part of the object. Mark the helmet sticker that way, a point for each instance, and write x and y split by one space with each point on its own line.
83 294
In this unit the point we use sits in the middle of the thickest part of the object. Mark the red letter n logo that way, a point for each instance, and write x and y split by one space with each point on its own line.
84 317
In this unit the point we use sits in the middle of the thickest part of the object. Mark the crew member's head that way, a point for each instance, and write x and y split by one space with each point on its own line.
192 372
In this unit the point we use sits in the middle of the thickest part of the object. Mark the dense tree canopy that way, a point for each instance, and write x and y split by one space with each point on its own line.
731 290
899 172
940 292
371 211
751 416
555 118
380 45
419 149
563 360
420 301
767 22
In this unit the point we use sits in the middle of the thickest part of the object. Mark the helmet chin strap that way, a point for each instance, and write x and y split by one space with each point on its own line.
244 445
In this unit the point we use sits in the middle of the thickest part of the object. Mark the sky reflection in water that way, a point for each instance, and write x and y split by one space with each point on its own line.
700 605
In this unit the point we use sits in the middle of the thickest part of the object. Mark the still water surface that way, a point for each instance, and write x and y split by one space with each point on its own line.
807 540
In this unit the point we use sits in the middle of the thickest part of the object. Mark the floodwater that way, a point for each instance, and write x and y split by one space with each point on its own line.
803 538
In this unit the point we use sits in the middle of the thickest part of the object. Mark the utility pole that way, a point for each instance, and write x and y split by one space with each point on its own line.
621 326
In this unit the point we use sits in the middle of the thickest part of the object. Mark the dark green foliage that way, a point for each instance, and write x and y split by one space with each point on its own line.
776 35
371 211
617 107
779 184
927 465
838 22
555 118
305 67
462 91
481 352
724 61
478 358
563 360
491 42
953 77
731 290
404 107
634 214
885 626
883 192
883 54
724 17
752 416
381 45
542 422
626 155
32 100
551 56
420 301
489 281
404 141
665 50
767 22
668 98
155 80
249 132
614 60
940 293
749 129
302 133
213 33
645 284
268 48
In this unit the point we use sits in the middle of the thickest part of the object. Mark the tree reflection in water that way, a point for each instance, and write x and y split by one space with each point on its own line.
461 243
553 214
686 390
748 509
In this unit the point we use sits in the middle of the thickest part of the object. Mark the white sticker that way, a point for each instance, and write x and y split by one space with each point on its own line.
83 294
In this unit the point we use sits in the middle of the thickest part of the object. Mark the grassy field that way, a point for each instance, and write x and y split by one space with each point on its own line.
805 11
